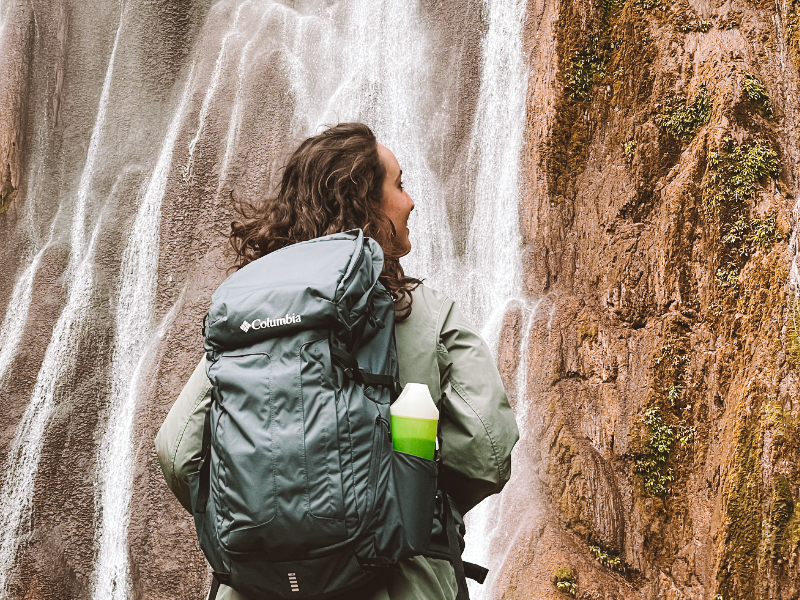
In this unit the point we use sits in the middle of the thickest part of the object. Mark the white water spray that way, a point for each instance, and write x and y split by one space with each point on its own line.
16 494
211 90
17 313
133 332
77 233
494 241
234 124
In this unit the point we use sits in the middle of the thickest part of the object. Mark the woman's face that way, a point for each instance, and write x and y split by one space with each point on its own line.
397 204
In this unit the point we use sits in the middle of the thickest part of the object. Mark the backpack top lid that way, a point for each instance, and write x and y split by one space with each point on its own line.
321 283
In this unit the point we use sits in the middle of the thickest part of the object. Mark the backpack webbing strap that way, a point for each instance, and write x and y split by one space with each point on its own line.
212 594
475 572
349 363
216 581
455 550
205 467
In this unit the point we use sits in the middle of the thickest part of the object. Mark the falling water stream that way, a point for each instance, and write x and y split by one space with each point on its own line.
382 62
16 493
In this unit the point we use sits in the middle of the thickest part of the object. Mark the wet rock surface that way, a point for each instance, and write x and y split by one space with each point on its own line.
659 379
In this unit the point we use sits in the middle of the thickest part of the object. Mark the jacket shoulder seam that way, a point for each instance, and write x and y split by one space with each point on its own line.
200 396
465 398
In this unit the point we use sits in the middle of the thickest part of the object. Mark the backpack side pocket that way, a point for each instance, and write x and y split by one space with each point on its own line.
409 507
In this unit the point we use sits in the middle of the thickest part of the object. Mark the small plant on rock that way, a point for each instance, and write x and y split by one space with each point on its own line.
647 4
682 119
564 580
652 463
607 559
735 172
674 393
698 26
628 148
733 177
757 95
585 69
727 277
764 232
686 435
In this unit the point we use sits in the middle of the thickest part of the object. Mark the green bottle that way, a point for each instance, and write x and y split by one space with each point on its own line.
415 420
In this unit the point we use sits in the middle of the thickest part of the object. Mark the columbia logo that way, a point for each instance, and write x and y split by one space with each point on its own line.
264 323
293 582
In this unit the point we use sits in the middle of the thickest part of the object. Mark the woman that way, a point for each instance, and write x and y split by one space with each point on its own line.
343 179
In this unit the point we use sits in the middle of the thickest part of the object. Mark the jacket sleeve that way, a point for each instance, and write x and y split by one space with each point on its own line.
179 441
478 426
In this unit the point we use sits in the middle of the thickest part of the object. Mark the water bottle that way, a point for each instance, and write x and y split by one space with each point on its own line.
415 419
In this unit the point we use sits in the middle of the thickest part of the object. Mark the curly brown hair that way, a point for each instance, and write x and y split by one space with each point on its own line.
332 182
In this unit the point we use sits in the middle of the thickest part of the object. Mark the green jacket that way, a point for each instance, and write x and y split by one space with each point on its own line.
436 346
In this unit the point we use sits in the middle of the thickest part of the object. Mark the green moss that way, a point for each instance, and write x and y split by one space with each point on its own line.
739 560
605 558
564 580
780 514
682 119
587 331
793 331
585 69
610 7
628 148
757 95
7 190
652 463
793 32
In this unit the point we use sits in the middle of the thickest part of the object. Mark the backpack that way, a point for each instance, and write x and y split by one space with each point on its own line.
300 493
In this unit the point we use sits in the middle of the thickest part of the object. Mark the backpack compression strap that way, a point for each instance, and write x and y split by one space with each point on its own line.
455 550
351 369
205 466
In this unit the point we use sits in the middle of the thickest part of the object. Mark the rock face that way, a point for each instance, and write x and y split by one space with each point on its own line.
652 353
661 167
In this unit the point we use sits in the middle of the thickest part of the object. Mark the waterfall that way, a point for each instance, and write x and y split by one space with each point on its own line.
494 241
133 321
17 313
77 234
16 494
384 62
493 259
235 121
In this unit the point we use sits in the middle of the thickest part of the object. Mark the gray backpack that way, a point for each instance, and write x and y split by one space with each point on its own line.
300 494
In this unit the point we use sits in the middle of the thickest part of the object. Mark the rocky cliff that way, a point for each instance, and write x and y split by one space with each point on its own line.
661 165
